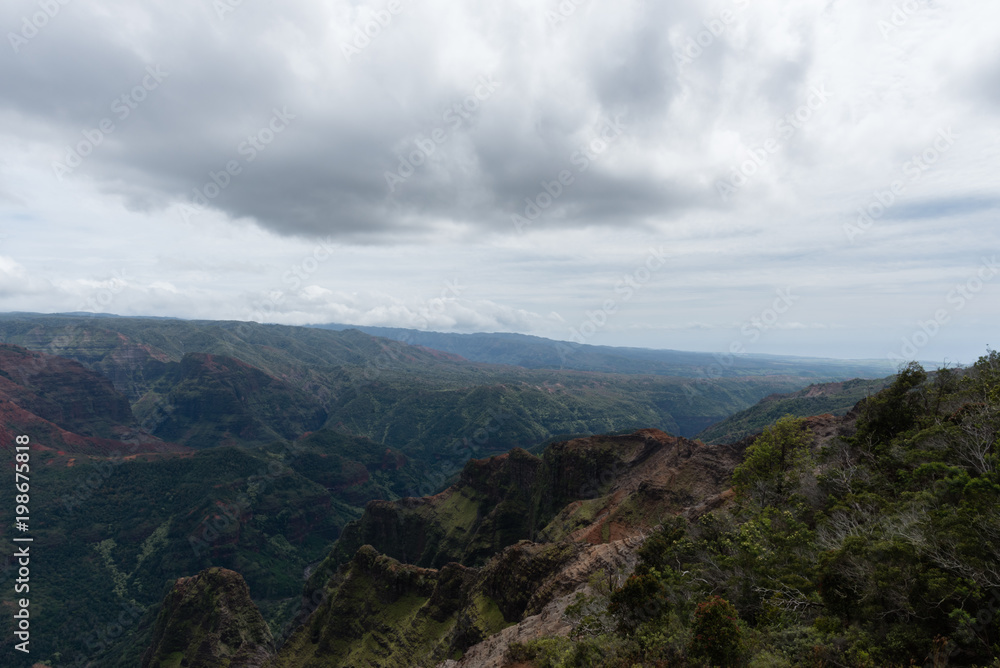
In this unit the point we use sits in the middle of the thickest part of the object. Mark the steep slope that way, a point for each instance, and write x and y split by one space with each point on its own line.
209 621
110 530
835 398
862 540
375 610
851 540
218 400
591 489
64 407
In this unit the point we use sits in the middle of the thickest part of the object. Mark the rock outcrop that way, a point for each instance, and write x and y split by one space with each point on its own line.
581 510
209 621
532 533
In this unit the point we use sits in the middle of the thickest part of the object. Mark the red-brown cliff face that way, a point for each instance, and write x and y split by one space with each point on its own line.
64 407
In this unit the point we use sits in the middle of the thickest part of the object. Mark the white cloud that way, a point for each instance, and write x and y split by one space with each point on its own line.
320 180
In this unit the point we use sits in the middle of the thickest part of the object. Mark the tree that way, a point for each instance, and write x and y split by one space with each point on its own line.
893 410
774 462
718 634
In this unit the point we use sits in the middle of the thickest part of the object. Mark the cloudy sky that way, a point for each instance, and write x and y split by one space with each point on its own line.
787 176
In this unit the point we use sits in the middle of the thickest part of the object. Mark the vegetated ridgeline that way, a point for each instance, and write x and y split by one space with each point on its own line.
836 398
200 383
864 540
588 503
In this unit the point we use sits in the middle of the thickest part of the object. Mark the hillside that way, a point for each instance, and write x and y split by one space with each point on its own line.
834 398
69 408
533 352
209 621
587 502
518 496
248 383
279 453
861 540
109 531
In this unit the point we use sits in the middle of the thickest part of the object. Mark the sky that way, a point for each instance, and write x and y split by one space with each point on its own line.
763 176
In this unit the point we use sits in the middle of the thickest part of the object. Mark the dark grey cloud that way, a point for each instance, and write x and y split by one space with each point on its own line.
220 80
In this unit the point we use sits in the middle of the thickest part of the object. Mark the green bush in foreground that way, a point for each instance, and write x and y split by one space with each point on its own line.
880 549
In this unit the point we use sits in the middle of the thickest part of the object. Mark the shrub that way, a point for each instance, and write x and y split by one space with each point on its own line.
718 634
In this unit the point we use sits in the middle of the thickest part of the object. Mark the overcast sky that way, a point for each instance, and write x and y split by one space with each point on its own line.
682 175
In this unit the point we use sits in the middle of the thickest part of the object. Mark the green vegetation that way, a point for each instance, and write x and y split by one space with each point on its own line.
208 621
498 502
868 549
379 612
774 463
206 383
133 526
874 549
835 398
533 352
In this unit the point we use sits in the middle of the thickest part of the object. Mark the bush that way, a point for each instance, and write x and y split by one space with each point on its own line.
718 634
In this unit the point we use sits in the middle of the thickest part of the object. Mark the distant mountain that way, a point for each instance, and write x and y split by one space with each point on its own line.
835 398
533 352
206 382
